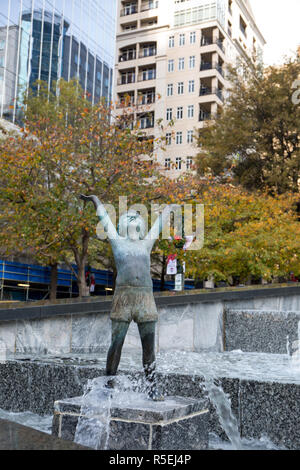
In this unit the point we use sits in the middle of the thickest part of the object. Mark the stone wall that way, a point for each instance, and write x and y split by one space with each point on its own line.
205 321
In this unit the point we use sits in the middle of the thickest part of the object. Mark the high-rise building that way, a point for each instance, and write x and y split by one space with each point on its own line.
49 39
171 58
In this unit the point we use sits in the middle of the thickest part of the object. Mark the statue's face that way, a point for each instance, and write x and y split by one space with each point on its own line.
132 226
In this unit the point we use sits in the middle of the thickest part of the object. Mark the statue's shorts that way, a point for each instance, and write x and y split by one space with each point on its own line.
134 303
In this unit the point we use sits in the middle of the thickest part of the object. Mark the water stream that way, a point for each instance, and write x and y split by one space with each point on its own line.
222 404
92 429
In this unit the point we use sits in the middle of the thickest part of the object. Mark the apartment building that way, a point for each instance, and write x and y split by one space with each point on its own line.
171 57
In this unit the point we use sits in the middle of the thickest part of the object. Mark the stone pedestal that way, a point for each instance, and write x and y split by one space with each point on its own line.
141 424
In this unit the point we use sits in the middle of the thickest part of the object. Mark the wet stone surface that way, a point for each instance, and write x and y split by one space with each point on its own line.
141 424
14 436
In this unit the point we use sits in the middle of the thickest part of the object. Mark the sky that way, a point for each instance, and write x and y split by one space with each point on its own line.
279 22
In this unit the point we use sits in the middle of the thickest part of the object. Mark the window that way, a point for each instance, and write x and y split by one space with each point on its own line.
1 61
180 88
191 111
243 26
170 89
181 63
178 163
191 86
2 44
181 39
169 115
178 138
189 163
168 138
192 62
193 37
167 163
180 112
171 65
190 137
171 41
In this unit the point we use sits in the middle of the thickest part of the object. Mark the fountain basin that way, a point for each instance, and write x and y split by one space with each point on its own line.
264 389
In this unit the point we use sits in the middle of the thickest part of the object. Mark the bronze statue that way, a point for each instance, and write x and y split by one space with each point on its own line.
133 297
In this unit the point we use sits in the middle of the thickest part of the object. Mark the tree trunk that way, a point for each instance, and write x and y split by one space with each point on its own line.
162 275
84 290
81 258
53 281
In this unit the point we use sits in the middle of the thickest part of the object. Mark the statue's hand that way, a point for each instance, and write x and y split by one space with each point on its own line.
85 198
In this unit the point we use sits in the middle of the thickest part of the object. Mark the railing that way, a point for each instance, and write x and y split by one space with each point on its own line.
127 56
146 124
204 116
149 6
147 53
208 42
146 99
144 76
125 79
125 104
211 91
210 66
129 10
133 9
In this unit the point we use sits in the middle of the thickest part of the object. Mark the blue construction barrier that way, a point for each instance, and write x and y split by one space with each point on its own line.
34 274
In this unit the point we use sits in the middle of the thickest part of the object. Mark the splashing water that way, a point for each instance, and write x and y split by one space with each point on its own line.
93 425
92 428
295 353
222 405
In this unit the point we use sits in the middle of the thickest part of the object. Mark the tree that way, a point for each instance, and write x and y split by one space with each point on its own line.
247 235
256 138
68 146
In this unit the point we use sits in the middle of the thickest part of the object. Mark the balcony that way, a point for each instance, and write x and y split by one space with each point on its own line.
125 104
146 122
150 5
147 75
147 53
129 10
211 66
209 41
146 99
126 79
128 55
204 116
204 91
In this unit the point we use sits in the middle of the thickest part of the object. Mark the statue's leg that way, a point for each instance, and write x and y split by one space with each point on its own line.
147 334
118 333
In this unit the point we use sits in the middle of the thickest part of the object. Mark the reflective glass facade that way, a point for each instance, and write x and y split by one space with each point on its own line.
50 39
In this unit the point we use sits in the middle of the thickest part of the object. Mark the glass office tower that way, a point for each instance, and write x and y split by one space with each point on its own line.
49 39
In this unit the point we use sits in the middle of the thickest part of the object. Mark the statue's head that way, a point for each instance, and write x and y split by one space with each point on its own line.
132 226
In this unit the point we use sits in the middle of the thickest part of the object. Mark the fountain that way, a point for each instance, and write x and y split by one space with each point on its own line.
229 370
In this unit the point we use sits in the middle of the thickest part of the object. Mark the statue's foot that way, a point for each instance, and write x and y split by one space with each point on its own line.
155 395
110 384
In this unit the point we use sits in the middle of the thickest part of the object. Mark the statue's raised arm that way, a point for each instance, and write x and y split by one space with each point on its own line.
104 218
160 222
